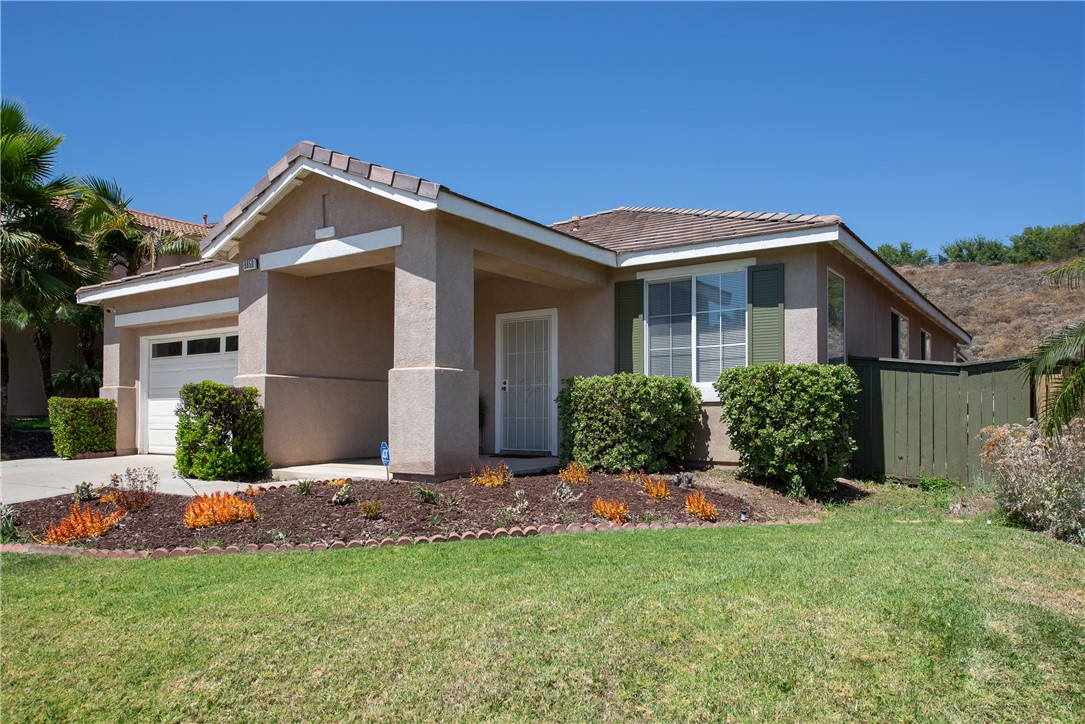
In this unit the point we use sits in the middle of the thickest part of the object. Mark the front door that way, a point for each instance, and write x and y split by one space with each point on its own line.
527 382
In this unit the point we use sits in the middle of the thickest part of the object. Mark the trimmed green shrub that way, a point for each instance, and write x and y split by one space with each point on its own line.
627 421
82 425
790 423
220 432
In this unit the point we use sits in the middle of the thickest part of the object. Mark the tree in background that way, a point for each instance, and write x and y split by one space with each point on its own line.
42 258
1039 243
1060 360
977 250
904 255
102 214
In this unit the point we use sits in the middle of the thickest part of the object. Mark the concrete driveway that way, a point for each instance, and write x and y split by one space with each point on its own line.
22 480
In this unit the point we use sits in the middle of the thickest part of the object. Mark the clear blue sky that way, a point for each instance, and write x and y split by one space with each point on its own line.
922 122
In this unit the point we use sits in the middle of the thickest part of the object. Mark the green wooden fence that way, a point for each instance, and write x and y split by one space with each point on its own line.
922 418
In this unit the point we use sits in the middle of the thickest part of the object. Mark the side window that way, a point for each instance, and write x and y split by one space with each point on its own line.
834 327
899 330
925 344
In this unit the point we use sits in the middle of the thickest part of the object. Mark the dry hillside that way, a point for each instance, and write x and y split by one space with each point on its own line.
1008 309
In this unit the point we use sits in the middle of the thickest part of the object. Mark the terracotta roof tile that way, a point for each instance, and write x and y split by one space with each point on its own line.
152 222
640 228
336 160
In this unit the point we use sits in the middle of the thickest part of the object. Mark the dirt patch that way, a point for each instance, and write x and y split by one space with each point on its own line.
288 517
769 504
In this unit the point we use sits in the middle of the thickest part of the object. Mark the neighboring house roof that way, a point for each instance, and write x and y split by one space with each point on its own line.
150 222
640 228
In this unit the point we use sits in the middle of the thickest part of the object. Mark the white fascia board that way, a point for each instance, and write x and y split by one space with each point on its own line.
489 216
94 296
290 180
214 308
332 249
891 278
675 272
747 245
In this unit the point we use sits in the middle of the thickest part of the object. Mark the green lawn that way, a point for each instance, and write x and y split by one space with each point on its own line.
29 423
859 618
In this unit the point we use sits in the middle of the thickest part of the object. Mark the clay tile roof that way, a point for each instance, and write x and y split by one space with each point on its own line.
339 161
640 228
152 222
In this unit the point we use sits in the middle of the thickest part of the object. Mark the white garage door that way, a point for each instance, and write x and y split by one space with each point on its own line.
173 362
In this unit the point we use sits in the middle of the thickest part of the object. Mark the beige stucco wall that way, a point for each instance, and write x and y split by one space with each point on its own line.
868 304
319 348
26 395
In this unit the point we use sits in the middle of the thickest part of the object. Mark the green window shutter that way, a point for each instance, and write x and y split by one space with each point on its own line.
629 326
766 313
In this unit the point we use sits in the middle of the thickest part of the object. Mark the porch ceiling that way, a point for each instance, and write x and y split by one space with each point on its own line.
574 279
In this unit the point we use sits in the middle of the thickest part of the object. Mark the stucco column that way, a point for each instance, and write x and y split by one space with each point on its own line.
119 382
433 386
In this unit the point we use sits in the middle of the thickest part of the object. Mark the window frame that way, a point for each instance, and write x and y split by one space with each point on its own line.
925 345
691 272
844 316
895 338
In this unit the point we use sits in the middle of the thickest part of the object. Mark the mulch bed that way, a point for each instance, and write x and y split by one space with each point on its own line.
287 517
23 444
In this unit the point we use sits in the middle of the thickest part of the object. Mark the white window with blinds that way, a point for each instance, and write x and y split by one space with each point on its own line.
696 322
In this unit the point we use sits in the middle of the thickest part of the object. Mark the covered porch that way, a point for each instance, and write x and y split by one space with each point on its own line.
365 320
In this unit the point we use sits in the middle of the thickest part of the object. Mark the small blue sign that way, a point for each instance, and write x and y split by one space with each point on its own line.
385 457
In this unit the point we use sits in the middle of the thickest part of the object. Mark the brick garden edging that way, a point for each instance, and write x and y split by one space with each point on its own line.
484 534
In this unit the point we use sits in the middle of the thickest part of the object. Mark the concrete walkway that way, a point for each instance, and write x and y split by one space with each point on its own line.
22 480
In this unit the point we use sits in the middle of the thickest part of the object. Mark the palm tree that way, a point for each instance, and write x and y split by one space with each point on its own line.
1060 360
42 258
102 214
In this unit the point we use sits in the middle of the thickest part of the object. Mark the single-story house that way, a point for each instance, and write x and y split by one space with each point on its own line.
366 304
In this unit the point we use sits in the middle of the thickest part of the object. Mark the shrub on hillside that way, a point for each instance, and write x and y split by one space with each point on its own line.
627 421
82 425
220 432
790 423
1039 482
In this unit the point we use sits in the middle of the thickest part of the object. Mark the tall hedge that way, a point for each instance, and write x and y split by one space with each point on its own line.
220 432
791 423
627 421
82 425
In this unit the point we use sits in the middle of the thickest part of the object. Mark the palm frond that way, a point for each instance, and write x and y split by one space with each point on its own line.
1059 362
1072 274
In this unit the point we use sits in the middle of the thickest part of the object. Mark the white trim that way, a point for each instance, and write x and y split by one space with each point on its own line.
332 249
708 392
745 245
829 270
892 279
504 221
290 180
172 314
499 409
142 388
680 272
156 285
